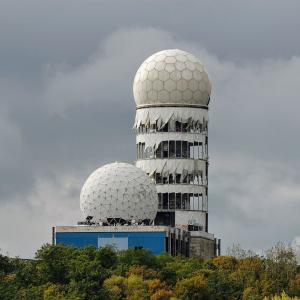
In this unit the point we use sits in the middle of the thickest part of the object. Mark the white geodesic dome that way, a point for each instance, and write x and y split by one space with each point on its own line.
119 191
171 77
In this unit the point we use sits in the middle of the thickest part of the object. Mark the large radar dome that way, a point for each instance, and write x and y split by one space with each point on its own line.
119 191
171 77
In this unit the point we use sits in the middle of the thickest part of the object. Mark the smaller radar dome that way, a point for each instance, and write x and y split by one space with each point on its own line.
119 191
171 78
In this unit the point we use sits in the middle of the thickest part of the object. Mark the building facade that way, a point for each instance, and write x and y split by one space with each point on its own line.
156 239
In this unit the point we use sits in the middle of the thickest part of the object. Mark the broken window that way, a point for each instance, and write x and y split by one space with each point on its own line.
178 201
158 178
178 149
184 178
158 151
165 200
185 150
165 179
184 204
152 127
190 178
183 201
171 149
172 125
143 151
172 201
178 126
165 149
171 179
159 201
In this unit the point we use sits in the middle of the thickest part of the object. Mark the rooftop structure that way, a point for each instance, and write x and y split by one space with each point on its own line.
171 78
119 193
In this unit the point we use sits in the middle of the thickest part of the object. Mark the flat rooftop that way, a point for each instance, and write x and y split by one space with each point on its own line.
97 228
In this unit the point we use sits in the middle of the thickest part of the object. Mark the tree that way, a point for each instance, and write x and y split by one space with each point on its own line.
158 290
294 286
251 293
250 270
107 257
146 273
137 288
115 287
238 252
136 257
5 265
223 286
168 275
281 267
58 292
227 263
54 262
162 294
193 288
283 296
86 277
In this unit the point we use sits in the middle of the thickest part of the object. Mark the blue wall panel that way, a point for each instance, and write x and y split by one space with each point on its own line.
153 241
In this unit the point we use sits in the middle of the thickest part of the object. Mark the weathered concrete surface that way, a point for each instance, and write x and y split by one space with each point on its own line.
202 247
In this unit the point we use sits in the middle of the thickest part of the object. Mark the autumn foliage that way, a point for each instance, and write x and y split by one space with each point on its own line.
62 273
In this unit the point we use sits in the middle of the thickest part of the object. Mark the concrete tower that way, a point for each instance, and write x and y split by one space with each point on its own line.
172 93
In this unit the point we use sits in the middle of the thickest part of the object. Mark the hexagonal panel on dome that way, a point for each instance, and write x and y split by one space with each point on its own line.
169 71
119 191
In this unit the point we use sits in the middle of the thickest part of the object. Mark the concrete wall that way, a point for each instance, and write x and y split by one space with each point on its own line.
201 246
190 218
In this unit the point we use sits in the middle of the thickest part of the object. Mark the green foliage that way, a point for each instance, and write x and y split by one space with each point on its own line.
67 273
283 296
281 266
107 257
224 286
115 287
132 257
54 263
193 288
5 265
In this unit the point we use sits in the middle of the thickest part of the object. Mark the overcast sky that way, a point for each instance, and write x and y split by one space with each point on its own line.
66 108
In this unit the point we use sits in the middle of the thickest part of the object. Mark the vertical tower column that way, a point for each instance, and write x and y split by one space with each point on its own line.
171 147
172 93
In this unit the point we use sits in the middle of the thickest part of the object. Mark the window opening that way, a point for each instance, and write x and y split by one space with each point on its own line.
158 178
159 201
178 149
171 179
165 200
165 149
171 149
178 201
172 201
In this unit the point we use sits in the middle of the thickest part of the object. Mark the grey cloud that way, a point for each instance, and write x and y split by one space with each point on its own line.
27 224
33 32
